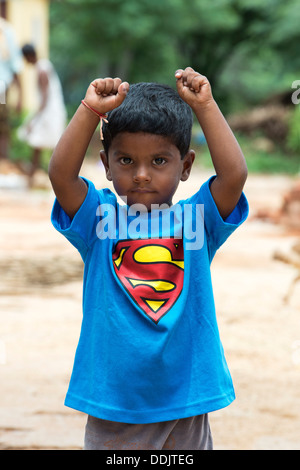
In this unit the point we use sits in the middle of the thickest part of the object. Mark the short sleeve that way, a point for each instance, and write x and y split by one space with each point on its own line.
218 229
81 230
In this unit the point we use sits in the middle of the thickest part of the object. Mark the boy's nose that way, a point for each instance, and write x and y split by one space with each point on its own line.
141 175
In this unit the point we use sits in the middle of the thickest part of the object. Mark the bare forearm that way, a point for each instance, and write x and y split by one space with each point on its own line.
102 96
68 157
70 151
226 154
225 151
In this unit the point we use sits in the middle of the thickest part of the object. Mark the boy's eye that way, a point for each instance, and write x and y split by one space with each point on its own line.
125 160
159 161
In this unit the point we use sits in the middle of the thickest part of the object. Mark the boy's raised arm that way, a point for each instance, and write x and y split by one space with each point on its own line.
102 95
226 154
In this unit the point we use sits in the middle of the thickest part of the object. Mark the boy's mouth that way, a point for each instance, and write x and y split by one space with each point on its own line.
142 190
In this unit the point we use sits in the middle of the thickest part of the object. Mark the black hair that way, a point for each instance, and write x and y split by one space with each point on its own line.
28 50
152 108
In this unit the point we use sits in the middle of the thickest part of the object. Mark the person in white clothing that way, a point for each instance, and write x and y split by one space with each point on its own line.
44 128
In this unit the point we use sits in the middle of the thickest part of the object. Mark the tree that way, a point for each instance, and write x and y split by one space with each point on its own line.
247 48
134 40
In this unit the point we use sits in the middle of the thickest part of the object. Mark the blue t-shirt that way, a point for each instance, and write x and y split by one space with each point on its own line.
149 348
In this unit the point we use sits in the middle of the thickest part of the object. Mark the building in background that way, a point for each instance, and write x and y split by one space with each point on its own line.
30 20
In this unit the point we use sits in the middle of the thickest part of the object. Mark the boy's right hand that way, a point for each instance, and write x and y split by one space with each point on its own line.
105 94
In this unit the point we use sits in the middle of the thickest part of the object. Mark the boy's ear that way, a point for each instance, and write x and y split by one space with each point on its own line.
188 161
104 160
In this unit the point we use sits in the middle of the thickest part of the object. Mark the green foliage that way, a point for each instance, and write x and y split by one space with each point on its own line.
19 150
135 40
258 160
247 48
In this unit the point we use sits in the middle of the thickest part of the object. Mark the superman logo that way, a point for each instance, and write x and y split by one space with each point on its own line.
151 271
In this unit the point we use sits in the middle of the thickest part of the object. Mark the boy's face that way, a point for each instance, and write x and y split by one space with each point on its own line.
146 168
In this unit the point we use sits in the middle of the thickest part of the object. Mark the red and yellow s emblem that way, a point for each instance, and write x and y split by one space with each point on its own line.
151 271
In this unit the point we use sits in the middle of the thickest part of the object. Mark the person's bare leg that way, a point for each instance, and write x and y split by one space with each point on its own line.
35 164
4 143
35 161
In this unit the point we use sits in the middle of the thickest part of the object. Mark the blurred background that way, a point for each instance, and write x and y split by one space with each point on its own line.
249 50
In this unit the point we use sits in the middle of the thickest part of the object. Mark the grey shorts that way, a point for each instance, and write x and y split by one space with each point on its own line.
181 434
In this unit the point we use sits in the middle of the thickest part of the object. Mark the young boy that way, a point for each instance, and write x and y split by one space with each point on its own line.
149 365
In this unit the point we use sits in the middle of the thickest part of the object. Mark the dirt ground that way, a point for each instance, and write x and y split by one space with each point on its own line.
40 316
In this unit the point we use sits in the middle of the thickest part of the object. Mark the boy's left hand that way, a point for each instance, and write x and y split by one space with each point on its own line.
193 87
